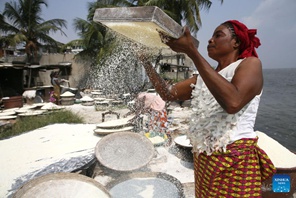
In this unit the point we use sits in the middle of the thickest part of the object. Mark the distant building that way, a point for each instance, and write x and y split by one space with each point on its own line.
175 66
76 49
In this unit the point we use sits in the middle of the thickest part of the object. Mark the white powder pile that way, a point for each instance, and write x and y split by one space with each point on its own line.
145 187
35 150
8 113
67 94
169 163
96 93
279 155
157 139
64 188
112 124
87 99
29 94
51 106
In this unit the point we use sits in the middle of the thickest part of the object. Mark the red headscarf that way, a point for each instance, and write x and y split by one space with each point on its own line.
247 38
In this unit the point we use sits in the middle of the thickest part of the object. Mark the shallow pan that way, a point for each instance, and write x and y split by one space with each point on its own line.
139 23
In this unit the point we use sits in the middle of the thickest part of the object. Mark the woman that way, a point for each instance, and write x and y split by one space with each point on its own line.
154 107
55 81
227 160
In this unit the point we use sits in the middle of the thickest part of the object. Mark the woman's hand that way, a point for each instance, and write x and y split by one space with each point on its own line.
184 43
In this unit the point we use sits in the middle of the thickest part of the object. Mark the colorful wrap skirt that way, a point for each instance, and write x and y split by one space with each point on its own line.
238 172
158 121
56 92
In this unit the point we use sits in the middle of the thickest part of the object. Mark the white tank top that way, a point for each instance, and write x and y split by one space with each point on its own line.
212 128
246 122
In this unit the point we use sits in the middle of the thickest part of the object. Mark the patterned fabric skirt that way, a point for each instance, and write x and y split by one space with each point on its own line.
158 121
238 172
56 92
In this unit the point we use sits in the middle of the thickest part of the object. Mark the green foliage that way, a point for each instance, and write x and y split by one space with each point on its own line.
20 22
27 124
95 38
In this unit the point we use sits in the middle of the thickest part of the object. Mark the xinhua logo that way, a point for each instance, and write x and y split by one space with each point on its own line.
281 183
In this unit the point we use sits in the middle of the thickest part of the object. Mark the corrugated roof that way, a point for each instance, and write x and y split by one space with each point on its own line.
24 66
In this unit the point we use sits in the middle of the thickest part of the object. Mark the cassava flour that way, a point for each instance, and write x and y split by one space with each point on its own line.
279 155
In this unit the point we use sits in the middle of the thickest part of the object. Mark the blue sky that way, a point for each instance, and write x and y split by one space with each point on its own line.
273 19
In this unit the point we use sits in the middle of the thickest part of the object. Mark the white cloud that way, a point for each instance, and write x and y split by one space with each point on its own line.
275 21
273 13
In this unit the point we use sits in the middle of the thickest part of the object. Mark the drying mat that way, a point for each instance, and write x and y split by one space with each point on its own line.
9 110
22 110
38 104
32 113
9 117
114 124
146 185
8 113
97 99
108 131
62 185
125 151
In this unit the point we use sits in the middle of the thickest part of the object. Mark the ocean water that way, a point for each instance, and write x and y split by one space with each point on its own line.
277 110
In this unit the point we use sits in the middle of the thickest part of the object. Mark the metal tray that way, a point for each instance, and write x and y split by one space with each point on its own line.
146 184
139 23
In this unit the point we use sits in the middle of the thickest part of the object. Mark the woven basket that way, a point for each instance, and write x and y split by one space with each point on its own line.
62 185
124 151
67 101
87 103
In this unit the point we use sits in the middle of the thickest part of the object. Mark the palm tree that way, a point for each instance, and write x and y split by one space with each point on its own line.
94 37
20 22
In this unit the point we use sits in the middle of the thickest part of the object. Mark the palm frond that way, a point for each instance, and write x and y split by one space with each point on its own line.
21 22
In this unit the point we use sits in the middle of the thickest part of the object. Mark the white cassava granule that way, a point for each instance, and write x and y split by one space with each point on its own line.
68 94
50 145
50 106
87 99
279 155
157 139
29 94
